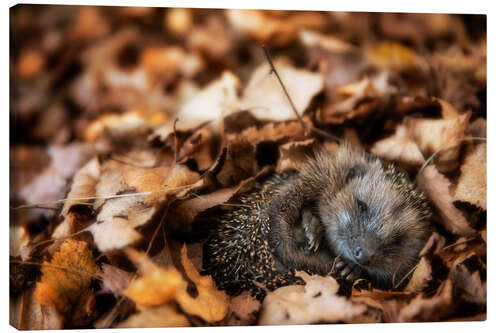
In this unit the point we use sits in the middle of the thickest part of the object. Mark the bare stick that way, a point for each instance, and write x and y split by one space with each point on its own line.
304 127
273 70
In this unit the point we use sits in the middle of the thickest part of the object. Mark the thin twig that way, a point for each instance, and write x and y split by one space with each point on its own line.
273 70
431 158
297 115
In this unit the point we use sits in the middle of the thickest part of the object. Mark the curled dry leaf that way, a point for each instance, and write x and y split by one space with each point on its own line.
399 147
134 122
310 38
429 309
114 279
172 60
211 103
244 306
437 188
210 304
294 153
358 98
268 28
66 280
18 239
84 183
421 276
316 302
443 135
396 56
265 98
158 316
51 184
156 285
471 185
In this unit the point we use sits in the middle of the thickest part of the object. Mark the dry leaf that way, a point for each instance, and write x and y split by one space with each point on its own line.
210 304
294 153
444 135
316 302
84 183
437 188
244 305
30 64
421 276
429 309
265 98
156 285
66 279
114 280
395 56
268 28
210 104
399 148
158 316
18 240
310 38
471 185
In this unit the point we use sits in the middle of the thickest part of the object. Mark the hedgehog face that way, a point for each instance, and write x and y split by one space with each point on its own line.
372 223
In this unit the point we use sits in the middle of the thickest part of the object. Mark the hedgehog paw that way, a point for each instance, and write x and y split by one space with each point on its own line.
312 229
346 270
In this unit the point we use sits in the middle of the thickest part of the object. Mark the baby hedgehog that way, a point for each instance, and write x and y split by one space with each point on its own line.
344 213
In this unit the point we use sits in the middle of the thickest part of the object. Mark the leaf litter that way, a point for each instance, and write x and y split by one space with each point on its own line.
160 126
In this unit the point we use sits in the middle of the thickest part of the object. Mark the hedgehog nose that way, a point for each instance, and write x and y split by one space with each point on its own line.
361 255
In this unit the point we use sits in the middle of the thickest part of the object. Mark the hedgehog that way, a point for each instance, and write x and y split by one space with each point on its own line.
346 214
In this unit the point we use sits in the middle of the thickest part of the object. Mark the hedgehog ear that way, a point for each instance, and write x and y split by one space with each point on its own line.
353 171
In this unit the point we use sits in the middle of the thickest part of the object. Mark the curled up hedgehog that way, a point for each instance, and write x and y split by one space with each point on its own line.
343 213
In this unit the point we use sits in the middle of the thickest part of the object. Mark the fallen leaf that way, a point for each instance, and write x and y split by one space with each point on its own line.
316 302
156 285
311 38
396 56
18 240
420 277
84 183
399 148
178 20
268 28
211 103
437 188
210 304
158 316
265 98
114 279
30 63
471 185
429 309
443 135
294 153
244 305
66 279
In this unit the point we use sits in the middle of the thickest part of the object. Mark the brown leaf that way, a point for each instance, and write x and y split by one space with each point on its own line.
443 135
26 313
395 56
265 27
210 304
437 188
316 302
156 285
30 63
84 183
311 38
158 316
66 279
471 185
293 154
212 103
244 306
429 309
189 209
421 276
399 147
114 280
265 99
